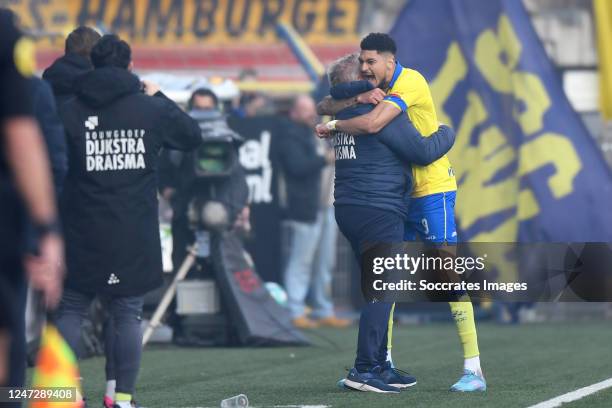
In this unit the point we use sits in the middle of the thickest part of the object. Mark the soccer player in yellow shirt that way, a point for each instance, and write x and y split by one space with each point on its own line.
431 215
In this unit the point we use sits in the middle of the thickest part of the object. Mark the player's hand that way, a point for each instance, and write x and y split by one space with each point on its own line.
243 219
375 96
46 270
150 88
323 131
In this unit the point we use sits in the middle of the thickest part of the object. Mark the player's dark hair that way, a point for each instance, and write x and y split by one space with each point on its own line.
380 42
111 51
81 40
202 92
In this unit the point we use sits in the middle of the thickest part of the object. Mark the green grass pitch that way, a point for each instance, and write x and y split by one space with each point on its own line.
523 365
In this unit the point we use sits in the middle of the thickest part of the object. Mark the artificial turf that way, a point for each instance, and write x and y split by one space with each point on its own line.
523 365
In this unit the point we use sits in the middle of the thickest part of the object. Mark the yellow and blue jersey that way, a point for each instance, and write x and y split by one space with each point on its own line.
409 92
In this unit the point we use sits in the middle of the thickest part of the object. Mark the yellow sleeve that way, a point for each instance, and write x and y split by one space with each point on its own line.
411 88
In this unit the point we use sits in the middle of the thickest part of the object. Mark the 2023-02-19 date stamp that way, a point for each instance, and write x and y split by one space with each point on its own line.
42 394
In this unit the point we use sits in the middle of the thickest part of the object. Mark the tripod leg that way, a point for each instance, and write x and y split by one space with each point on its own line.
165 302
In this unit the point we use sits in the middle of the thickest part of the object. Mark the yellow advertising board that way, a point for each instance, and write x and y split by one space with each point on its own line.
193 22
603 14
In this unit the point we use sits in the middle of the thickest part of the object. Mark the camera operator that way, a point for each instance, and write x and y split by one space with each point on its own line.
114 133
180 182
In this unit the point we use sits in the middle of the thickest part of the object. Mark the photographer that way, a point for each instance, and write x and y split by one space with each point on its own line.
180 183
114 133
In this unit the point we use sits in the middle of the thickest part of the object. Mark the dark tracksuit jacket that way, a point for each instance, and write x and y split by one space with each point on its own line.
52 129
53 133
372 191
109 204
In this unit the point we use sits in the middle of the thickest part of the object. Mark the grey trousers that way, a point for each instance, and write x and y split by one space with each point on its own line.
124 332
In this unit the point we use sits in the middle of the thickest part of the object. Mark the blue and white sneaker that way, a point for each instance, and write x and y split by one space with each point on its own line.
470 382
396 377
370 381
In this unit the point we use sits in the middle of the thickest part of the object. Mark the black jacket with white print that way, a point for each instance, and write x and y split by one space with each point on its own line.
109 205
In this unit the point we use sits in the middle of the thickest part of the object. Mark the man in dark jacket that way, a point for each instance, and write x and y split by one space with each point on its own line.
301 171
25 188
114 133
372 189
74 62
45 110
55 140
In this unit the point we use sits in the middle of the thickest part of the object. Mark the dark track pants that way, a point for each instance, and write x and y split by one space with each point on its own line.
362 225
126 314
12 315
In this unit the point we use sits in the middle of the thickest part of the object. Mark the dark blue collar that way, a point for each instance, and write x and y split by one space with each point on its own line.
396 74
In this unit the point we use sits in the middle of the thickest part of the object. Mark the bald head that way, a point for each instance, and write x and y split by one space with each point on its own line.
304 111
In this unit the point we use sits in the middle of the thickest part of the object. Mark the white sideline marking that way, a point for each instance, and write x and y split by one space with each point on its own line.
574 395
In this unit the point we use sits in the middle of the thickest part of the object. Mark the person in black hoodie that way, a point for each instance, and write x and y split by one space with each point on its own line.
109 204
74 62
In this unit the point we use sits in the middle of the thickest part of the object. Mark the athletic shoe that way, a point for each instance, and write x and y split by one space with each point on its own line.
132 404
470 382
396 377
335 322
303 322
107 402
370 381
340 384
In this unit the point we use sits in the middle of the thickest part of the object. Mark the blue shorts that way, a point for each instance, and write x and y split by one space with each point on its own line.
432 219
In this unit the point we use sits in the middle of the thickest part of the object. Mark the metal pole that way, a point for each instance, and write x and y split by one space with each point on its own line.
165 302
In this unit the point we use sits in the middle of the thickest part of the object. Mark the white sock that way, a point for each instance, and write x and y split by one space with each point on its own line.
123 404
473 364
389 358
110 389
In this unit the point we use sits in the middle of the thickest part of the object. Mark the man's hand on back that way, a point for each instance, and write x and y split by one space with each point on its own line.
374 97
150 88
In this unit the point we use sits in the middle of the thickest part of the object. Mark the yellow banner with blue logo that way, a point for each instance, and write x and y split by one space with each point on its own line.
603 16
527 168
171 23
